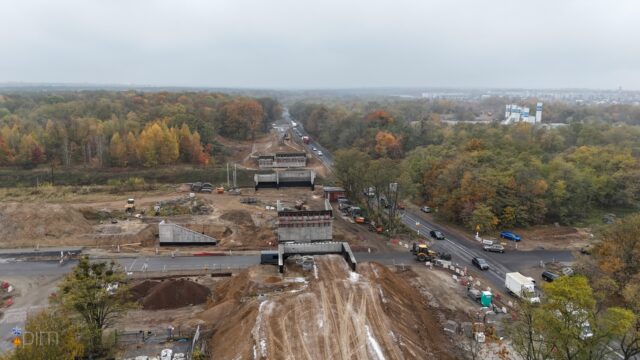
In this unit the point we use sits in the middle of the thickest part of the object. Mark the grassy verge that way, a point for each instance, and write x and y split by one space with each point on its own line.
596 216
17 177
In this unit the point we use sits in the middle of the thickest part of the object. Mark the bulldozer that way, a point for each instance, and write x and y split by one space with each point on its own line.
423 253
130 206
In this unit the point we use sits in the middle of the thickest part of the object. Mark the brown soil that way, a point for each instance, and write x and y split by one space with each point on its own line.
28 224
238 217
142 289
172 294
329 313
553 238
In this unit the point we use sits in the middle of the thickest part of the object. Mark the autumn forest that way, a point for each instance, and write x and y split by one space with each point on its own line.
125 129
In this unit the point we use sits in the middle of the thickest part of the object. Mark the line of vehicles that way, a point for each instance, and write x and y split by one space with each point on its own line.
516 284
305 139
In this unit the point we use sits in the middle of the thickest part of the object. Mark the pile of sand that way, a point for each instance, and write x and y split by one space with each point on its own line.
170 294
328 313
25 224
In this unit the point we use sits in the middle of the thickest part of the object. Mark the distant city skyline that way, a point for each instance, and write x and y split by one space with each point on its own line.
332 44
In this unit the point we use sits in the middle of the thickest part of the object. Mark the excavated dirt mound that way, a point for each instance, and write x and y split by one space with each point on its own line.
142 289
172 294
329 313
24 224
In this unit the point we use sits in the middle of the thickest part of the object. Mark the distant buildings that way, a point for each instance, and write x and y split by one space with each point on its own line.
515 114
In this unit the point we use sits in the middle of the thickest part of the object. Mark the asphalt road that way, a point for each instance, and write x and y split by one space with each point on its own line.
463 250
299 132
11 268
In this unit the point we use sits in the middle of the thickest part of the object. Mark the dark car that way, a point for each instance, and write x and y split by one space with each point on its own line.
509 236
436 234
549 276
206 188
195 187
494 248
480 263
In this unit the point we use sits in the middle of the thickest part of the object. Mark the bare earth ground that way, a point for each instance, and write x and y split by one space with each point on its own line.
55 216
326 313
553 238
236 225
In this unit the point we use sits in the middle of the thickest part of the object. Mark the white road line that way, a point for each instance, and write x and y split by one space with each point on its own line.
615 352
133 263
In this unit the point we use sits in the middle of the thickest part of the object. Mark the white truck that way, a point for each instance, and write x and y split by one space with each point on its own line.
521 286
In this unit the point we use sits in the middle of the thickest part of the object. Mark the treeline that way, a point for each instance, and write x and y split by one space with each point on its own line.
492 108
125 128
505 176
492 175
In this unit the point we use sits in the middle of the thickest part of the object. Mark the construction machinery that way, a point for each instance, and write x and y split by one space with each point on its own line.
202 187
423 253
130 206
357 214
521 286
301 205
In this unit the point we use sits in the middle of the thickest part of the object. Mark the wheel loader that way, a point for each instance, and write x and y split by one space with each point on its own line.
423 253
130 206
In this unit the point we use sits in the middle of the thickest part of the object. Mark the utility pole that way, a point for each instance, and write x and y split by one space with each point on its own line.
228 184
393 189
235 168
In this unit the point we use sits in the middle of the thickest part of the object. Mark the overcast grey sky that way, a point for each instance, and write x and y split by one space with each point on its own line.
323 43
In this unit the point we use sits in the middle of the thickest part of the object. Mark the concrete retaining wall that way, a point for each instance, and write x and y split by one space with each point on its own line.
173 234
320 248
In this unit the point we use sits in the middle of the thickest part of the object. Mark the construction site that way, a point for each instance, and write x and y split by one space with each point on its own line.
301 288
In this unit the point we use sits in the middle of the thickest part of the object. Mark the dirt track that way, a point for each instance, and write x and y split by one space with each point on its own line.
331 313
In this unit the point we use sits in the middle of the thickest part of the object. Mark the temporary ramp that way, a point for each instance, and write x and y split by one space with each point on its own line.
290 249
174 234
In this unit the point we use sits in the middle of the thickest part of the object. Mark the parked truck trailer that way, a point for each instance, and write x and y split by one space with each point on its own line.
521 286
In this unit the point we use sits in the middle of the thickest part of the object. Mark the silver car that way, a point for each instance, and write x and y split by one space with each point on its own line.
494 248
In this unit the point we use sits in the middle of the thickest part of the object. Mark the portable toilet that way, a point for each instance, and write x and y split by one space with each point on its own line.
485 298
